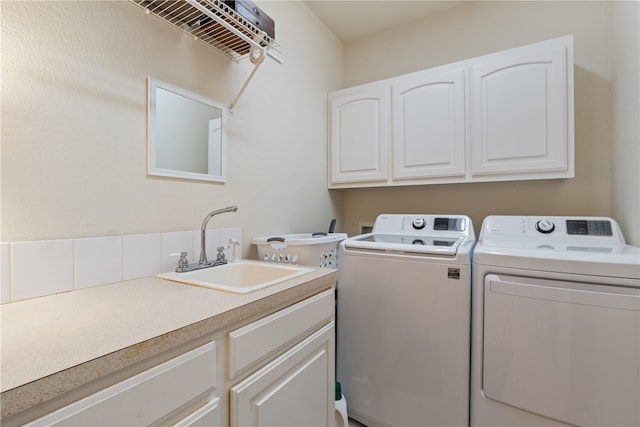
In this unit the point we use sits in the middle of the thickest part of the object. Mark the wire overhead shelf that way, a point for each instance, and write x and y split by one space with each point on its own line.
216 24
219 26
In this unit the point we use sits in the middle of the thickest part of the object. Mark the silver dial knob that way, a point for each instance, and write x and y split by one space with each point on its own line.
419 223
545 226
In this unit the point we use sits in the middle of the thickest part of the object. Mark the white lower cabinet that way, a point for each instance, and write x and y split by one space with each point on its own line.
296 389
282 367
166 391
278 370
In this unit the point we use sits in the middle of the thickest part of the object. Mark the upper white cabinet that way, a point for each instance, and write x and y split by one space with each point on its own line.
360 134
503 116
428 125
521 113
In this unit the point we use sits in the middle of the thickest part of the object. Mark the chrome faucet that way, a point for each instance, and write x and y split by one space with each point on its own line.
203 232
183 264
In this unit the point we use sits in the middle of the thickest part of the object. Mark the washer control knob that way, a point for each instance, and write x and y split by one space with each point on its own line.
419 223
545 226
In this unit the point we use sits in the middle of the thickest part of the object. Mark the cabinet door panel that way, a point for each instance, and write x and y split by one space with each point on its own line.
296 389
428 125
520 117
359 137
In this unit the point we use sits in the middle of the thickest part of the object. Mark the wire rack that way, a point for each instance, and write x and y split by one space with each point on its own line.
214 23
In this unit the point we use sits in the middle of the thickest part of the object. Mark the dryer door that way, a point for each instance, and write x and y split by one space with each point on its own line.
563 350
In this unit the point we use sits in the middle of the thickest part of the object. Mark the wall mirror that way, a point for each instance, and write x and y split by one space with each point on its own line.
186 135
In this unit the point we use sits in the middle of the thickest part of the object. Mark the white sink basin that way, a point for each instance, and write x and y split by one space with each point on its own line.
238 277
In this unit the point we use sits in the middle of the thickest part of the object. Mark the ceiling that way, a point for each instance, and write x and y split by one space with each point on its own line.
353 19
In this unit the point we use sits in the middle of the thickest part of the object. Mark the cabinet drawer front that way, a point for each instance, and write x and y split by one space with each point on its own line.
146 397
257 340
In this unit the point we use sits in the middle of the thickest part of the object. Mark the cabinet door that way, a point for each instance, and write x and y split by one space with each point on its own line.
428 125
522 112
296 389
359 135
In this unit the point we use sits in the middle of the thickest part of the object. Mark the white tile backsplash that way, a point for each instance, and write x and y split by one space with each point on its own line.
172 244
41 268
97 261
5 273
46 267
142 255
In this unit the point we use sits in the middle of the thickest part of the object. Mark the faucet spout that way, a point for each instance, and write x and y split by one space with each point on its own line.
203 229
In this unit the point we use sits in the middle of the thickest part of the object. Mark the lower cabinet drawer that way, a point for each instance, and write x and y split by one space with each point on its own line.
146 397
253 342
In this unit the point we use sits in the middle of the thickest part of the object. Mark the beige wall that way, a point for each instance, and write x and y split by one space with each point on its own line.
74 124
625 156
479 28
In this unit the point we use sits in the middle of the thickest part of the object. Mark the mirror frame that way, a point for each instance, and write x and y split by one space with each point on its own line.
152 167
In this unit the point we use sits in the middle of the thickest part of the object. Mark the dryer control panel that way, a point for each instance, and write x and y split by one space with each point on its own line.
552 228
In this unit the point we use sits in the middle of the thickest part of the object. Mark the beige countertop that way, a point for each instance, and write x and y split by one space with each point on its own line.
54 344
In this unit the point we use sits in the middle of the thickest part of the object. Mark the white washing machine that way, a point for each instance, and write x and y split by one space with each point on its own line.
404 300
555 323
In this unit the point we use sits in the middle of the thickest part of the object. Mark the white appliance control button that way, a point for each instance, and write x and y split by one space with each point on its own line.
545 226
419 223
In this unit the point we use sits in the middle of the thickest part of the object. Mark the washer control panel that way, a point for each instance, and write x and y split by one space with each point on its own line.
418 225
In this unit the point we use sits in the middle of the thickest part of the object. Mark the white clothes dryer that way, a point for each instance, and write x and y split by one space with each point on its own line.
555 323
403 322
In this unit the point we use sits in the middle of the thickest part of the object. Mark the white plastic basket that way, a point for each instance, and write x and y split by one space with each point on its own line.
317 250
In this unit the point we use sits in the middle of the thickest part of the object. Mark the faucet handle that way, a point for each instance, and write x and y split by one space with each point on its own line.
221 256
183 262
